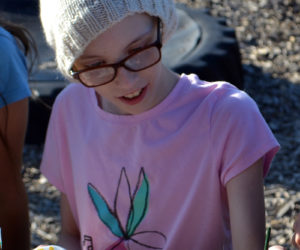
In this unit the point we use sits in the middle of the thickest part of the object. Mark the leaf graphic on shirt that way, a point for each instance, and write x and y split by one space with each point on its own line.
123 193
139 201
106 215
139 205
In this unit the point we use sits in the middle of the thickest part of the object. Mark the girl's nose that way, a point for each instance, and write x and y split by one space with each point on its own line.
125 77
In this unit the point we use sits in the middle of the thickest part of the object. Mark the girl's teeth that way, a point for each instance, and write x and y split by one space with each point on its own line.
134 94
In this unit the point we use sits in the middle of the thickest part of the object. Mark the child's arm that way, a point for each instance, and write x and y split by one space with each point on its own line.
246 208
70 236
14 217
296 236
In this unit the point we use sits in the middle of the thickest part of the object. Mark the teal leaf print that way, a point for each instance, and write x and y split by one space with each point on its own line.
139 205
139 201
125 187
104 212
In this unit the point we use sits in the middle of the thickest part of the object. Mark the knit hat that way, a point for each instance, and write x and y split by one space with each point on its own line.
70 25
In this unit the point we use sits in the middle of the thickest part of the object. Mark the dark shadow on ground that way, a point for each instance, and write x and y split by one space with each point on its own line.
278 100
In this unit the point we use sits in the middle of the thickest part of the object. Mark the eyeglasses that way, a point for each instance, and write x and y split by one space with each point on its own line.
137 61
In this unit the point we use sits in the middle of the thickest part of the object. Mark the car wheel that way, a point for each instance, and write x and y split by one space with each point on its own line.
210 47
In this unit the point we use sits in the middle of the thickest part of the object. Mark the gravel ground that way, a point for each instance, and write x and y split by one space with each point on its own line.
269 36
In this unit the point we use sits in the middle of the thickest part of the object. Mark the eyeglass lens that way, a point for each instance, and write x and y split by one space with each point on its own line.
138 61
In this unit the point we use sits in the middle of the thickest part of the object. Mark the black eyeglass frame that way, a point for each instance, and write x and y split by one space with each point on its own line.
116 66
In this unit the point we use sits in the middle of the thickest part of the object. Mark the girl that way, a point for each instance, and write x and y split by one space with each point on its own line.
14 93
146 158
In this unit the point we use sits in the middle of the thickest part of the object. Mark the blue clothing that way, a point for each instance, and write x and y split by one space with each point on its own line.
13 70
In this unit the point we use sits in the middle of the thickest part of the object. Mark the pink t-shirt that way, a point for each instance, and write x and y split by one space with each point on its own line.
156 179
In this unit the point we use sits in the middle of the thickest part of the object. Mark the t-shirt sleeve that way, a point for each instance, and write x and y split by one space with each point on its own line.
240 135
56 163
13 71
51 165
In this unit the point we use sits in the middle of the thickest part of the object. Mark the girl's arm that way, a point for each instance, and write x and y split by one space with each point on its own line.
296 236
246 208
14 218
13 125
70 236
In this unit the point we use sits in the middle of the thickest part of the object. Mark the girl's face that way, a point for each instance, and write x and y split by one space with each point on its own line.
130 92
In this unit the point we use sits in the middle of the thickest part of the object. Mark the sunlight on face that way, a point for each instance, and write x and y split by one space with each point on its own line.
130 92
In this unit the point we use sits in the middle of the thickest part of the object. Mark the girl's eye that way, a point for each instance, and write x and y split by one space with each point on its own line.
136 49
141 45
95 64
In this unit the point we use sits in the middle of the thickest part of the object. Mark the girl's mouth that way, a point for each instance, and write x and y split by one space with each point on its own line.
134 94
134 97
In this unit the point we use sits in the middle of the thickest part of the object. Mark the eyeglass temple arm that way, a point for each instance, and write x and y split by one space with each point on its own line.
158 29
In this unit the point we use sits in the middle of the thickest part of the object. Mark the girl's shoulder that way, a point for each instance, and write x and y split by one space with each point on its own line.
216 93
74 94
217 98
8 45
5 35
72 90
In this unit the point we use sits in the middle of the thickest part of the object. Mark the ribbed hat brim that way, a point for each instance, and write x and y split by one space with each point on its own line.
70 25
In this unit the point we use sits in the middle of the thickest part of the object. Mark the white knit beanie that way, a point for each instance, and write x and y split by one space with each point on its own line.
70 25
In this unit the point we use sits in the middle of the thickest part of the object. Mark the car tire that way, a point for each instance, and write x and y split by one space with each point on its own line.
216 56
